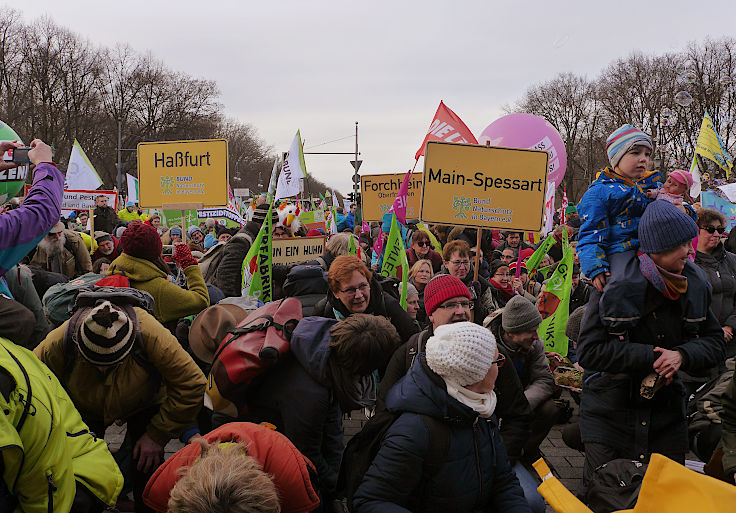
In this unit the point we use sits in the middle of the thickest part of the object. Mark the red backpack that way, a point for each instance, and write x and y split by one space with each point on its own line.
251 348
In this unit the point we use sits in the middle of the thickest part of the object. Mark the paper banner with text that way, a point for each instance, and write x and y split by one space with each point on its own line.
297 250
484 187
378 193
448 127
554 305
84 200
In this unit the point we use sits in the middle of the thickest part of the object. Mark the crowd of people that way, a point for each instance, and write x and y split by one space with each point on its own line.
120 319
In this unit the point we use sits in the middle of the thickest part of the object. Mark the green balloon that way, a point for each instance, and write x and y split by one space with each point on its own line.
12 180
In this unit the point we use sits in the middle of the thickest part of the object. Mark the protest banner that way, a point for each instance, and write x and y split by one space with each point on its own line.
378 193
183 173
483 186
221 213
395 258
313 220
258 264
84 200
555 306
297 250
711 200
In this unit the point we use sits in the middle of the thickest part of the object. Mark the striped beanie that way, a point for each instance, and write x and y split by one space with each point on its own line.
622 140
106 335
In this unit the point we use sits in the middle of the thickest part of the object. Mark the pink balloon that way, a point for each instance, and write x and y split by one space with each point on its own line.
529 132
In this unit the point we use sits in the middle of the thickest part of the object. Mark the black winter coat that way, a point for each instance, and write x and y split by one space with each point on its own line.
477 475
612 411
381 303
106 219
512 407
720 267
229 276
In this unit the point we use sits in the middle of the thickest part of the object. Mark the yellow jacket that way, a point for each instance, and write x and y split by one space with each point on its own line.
129 216
171 301
53 448
126 388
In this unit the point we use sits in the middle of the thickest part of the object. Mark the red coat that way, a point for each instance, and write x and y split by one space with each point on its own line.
432 256
278 456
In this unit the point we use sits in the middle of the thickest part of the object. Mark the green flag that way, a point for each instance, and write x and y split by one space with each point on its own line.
352 250
395 256
258 263
557 295
538 255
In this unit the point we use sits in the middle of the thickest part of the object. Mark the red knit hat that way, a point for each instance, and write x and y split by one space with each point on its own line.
526 253
141 240
441 288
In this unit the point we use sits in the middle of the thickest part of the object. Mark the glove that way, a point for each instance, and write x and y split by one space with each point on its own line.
183 256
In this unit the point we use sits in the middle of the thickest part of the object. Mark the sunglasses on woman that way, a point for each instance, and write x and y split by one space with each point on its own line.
422 243
712 229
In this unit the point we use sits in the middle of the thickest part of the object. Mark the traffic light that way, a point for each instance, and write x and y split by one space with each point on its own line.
351 197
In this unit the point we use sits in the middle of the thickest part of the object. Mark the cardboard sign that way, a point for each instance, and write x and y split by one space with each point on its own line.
313 220
378 193
483 186
183 172
297 250
84 200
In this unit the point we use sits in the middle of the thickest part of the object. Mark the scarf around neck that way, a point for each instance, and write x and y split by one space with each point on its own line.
670 284
484 404
506 292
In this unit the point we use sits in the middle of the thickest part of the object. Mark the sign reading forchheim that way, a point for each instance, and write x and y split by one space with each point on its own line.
183 172
297 250
483 186
378 193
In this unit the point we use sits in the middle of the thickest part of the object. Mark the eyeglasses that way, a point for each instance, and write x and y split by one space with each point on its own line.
460 263
465 305
351 291
500 360
422 243
712 229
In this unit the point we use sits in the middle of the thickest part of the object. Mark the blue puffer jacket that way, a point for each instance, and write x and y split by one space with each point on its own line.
610 211
297 397
477 475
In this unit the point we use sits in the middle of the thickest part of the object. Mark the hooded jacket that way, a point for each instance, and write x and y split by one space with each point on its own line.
53 449
126 388
381 303
296 396
531 365
22 228
229 276
720 267
512 408
171 301
610 211
288 468
477 475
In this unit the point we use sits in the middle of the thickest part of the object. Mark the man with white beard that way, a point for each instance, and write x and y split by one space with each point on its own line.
62 251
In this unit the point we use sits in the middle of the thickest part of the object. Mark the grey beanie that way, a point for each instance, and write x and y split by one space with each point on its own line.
663 226
411 290
520 314
572 330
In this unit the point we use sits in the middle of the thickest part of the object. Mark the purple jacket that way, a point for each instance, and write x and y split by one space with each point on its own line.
21 229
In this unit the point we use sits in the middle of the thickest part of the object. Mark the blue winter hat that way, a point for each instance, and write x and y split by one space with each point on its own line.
663 227
130 204
209 241
622 140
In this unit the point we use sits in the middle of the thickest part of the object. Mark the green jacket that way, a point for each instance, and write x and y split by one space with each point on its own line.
53 447
171 301
728 417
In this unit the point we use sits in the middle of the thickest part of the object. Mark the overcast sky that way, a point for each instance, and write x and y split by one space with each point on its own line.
320 66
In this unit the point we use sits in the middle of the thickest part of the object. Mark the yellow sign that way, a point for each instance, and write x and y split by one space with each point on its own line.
297 250
173 172
378 193
483 186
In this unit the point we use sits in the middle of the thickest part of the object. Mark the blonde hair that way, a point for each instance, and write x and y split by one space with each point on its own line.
339 244
224 479
418 265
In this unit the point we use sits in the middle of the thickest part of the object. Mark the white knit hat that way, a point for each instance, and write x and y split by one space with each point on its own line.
462 352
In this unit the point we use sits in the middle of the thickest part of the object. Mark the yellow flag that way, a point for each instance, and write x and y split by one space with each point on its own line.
710 146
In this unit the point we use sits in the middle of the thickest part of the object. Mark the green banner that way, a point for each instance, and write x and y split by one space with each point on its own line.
395 256
258 263
556 298
352 250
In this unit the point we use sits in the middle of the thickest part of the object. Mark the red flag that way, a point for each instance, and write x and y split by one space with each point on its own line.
448 127
399 206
